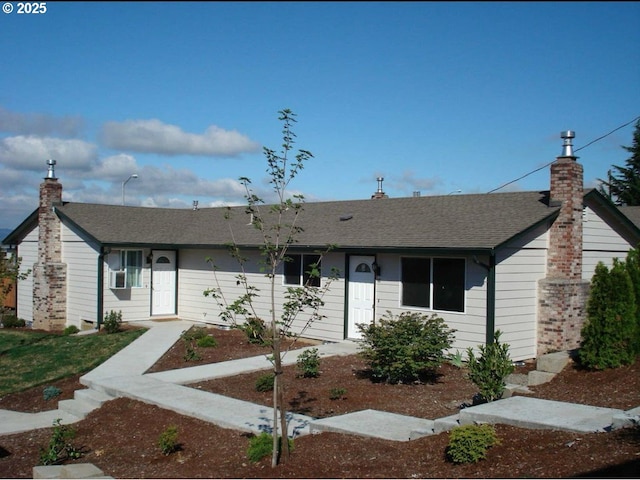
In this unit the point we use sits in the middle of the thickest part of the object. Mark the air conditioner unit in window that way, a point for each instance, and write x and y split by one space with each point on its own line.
117 279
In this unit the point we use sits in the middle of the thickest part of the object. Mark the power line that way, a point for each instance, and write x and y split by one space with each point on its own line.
575 150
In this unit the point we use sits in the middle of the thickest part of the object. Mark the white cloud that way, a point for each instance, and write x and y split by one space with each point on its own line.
114 168
39 124
154 136
31 153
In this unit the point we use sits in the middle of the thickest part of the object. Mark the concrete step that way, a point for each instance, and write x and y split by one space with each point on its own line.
92 397
75 407
553 362
75 470
537 377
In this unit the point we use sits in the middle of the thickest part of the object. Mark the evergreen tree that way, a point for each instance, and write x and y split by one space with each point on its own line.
623 186
610 330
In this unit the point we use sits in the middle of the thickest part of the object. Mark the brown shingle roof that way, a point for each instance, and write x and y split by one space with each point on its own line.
481 221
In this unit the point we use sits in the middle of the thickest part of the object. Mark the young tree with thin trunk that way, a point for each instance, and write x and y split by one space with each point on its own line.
279 228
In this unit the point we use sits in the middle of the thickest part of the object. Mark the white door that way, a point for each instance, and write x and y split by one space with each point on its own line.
163 281
361 294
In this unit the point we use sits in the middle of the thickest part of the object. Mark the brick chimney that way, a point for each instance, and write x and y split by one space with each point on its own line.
379 193
563 293
49 273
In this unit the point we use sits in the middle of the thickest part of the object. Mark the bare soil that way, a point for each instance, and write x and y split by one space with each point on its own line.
121 437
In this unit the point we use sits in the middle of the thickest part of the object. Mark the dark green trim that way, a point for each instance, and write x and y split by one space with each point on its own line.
490 324
100 289
491 299
345 323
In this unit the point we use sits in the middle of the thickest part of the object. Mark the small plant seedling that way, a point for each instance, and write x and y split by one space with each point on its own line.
168 440
337 393
261 446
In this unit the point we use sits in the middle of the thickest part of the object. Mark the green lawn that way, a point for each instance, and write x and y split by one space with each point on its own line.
29 359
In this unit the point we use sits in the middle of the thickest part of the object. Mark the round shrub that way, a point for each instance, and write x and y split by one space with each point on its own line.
12 321
469 443
206 342
405 348
70 330
265 383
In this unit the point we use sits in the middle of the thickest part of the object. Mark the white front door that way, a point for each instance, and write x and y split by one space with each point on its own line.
163 281
361 294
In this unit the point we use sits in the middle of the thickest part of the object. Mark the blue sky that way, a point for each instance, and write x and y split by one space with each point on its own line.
434 97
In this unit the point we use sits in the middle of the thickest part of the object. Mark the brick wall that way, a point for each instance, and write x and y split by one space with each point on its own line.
49 273
563 294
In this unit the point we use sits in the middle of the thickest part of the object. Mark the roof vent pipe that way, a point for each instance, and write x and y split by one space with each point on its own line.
567 146
51 173
380 180
195 204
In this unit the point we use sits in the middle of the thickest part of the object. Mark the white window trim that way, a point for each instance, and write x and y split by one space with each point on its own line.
115 257
301 274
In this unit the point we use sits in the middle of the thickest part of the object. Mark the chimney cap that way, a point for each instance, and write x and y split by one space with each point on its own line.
51 173
567 145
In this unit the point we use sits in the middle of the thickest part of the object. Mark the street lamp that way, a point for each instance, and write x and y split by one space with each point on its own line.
135 175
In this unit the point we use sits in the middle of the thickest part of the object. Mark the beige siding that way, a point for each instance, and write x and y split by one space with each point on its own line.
196 275
600 243
28 251
469 326
519 267
82 287
134 303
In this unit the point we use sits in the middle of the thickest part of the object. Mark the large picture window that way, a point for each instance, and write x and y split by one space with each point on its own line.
435 283
298 268
125 269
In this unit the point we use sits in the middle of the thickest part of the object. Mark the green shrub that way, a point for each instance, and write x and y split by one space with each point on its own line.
194 334
12 321
632 264
610 332
469 443
261 446
404 348
70 330
207 342
456 359
489 371
168 440
51 392
337 393
256 331
265 383
60 447
308 363
112 321
190 354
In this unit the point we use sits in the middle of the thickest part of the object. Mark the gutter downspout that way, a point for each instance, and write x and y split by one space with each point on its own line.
491 296
100 292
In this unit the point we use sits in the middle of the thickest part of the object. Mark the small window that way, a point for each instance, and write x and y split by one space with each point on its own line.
163 259
363 268
125 269
302 270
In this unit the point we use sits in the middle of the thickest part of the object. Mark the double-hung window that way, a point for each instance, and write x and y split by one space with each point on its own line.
433 283
125 269
302 270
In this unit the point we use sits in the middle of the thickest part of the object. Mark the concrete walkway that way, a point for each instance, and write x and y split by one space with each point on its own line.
123 376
